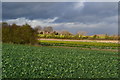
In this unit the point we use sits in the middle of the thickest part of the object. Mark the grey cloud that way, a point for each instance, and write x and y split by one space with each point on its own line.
103 15
65 11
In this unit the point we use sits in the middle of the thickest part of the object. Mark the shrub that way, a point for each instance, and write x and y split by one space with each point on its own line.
18 34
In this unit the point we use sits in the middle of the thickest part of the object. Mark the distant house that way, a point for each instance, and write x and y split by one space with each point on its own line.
65 33
100 35
40 32
44 32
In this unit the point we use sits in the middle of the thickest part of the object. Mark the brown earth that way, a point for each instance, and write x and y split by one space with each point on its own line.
103 41
116 50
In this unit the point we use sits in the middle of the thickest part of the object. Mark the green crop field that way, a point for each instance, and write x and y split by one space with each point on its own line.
23 61
80 44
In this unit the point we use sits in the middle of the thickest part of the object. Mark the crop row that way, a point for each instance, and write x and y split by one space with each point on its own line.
20 61
80 44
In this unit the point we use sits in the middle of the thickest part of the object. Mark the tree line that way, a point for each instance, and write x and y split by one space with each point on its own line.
48 32
18 34
25 34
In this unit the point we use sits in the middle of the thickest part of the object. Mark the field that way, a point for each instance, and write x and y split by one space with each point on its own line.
24 61
79 44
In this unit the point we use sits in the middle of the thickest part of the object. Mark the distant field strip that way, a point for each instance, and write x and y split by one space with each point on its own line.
72 43
103 41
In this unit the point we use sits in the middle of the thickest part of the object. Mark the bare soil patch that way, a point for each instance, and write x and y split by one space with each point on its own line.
86 48
103 41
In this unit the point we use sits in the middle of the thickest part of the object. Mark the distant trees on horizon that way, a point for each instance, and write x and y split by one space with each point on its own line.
25 34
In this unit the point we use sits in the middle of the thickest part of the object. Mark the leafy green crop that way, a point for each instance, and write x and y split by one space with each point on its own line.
22 61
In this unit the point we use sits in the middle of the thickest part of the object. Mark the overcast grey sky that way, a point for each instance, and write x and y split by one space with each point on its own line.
93 17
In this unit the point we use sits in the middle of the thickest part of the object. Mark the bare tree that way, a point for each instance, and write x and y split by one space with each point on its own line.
38 28
48 29
65 33
82 33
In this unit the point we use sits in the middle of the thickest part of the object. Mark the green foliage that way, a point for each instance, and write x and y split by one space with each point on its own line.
95 36
106 36
18 34
78 37
20 61
80 44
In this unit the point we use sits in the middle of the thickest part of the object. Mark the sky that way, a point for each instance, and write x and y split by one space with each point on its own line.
91 17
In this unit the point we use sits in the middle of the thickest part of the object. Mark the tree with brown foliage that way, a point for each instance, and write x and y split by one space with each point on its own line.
19 34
